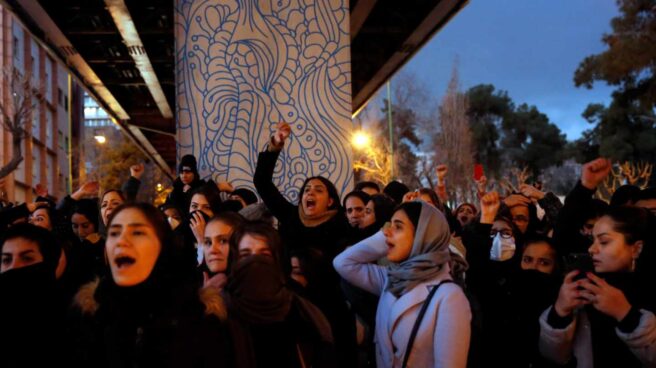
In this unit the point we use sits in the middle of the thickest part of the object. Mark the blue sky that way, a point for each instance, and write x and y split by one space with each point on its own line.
529 48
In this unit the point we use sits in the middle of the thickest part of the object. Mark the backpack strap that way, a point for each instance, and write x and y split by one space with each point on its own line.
415 328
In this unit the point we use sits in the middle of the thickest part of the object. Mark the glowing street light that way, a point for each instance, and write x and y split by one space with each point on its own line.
361 140
100 139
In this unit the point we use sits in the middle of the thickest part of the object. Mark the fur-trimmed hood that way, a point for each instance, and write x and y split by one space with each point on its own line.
210 298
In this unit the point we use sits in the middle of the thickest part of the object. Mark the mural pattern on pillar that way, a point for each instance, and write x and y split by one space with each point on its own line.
244 65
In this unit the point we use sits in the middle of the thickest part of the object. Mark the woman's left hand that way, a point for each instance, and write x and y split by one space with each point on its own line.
605 298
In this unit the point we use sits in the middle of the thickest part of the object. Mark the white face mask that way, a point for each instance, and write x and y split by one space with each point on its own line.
173 222
502 249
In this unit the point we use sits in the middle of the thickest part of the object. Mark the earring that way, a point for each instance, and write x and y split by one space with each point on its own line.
633 264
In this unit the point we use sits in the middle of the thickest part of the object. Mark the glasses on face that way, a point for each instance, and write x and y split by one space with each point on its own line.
506 234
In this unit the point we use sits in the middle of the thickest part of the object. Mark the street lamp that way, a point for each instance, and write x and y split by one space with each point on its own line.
100 139
360 140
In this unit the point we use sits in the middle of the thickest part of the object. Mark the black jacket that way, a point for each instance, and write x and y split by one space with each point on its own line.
181 199
178 327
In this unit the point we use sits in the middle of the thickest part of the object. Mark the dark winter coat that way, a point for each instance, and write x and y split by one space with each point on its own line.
180 327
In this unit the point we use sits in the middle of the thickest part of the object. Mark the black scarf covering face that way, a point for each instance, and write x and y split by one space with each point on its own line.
607 348
256 291
32 317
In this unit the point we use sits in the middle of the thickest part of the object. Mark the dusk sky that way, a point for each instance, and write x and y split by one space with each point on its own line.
528 48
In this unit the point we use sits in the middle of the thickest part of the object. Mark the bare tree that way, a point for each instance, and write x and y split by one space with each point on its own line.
453 144
15 114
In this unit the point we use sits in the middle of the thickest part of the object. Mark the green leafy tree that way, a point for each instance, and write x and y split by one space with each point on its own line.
530 140
508 136
623 131
629 62
487 109
112 168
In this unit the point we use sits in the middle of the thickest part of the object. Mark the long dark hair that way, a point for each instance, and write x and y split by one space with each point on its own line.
635 224
211 194
332 192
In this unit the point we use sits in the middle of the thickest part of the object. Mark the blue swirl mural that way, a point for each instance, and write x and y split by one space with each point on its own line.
244 65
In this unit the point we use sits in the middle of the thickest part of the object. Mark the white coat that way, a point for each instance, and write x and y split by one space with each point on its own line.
443 336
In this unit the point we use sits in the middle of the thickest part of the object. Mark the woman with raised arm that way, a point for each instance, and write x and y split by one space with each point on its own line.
423 318
317 221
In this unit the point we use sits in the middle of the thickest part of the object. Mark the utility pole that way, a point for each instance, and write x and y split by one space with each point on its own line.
391 133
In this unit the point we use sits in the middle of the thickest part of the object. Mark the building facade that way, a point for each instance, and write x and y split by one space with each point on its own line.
47 148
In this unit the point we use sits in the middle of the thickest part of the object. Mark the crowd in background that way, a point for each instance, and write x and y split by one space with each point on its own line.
226 277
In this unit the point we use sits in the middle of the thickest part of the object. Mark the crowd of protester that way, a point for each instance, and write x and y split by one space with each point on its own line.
225 277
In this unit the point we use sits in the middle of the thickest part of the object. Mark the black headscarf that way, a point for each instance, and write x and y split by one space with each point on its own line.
256 291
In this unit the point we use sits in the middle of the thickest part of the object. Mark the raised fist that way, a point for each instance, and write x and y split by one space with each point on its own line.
137 170
281 133
490 204
41 190
594 172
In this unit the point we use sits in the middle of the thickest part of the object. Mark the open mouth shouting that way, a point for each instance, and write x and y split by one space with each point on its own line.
123 262
310 204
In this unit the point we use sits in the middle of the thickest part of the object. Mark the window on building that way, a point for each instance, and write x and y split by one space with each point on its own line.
60 97
20 170
19 47
16 50
50 171
50 128
66 103
36 165
60 140
35 62
47 78
36 119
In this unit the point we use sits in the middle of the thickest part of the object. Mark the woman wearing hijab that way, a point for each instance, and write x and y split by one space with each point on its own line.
416 283
30 305
150 311
271 325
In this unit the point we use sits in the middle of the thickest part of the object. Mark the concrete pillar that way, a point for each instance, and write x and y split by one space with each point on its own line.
243 65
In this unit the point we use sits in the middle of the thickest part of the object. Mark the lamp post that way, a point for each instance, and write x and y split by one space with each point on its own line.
391 131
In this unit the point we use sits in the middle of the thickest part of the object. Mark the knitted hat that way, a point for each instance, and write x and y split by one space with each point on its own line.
246 194
188 162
